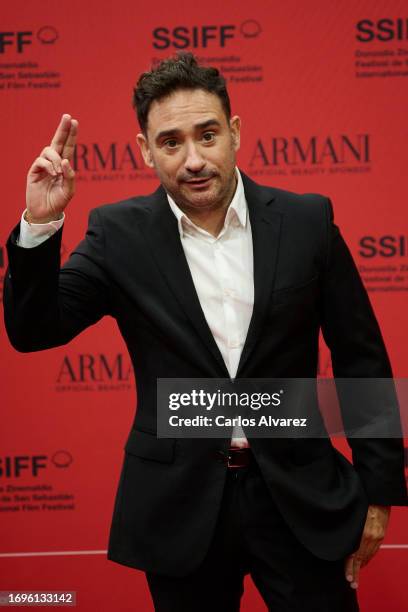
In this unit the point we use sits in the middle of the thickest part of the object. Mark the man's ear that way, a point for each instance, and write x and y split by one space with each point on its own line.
235 127
145 150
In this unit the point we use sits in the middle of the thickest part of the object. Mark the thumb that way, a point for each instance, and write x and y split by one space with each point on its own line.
69 178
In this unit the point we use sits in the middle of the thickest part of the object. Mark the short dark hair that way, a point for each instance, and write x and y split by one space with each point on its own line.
179 72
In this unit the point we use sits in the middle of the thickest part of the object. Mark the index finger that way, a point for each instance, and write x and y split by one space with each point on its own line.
356 572
61 135
348 567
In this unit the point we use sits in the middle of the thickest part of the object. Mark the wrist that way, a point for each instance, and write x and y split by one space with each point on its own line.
376 509
40 220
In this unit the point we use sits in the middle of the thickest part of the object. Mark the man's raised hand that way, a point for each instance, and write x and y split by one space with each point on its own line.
51 179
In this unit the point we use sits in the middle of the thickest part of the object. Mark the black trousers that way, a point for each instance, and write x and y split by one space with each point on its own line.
251 537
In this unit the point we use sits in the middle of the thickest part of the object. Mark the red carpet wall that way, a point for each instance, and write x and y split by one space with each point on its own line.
322 91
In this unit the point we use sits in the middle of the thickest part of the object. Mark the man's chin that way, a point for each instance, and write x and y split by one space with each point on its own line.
200 199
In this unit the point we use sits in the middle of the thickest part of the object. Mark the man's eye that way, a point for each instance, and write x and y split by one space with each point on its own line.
209 136
171 143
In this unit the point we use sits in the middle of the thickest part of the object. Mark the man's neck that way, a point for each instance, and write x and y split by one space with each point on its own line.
211 220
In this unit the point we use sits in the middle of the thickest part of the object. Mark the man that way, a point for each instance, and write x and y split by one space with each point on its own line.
214 276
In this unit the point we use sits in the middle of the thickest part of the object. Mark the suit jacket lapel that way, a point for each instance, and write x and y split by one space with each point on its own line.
266 225
163 239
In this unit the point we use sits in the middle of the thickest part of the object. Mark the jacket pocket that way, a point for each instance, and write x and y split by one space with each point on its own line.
145 444
306 451
297 293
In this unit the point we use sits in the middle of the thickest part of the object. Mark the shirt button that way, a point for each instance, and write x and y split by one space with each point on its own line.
234 343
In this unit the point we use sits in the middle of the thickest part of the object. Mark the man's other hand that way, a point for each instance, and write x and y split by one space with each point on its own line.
373 534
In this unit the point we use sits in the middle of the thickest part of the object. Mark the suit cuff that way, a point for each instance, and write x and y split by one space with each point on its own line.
33 234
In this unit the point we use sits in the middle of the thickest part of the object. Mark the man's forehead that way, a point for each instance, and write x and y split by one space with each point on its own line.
185 108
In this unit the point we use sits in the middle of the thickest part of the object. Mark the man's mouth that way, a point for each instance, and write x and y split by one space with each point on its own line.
199 182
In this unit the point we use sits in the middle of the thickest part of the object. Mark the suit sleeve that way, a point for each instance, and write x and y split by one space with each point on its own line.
352 333
46 306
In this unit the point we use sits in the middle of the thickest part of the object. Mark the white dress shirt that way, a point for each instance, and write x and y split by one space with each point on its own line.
222 272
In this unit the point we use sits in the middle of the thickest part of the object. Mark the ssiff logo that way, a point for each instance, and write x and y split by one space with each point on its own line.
203 36
19 465
383 265
20 40
382 30
387 246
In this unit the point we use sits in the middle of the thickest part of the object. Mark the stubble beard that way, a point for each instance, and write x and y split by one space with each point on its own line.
207 202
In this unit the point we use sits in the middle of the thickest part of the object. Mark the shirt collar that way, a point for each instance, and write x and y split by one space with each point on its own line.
237 210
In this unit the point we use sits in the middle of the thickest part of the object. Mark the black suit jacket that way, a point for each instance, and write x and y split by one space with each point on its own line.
131 266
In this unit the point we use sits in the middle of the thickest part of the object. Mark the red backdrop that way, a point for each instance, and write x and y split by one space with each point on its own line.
322 92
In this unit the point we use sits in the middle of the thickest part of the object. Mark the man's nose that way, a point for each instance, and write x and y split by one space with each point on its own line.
194 160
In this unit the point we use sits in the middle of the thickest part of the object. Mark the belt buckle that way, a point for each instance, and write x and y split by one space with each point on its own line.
230 463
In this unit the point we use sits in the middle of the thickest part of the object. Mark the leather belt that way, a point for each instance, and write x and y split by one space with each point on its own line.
239 457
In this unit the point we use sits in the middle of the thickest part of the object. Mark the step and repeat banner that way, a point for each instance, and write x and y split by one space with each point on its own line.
321 88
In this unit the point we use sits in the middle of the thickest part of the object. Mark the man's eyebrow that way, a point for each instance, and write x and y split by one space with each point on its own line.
197 126
208 123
